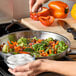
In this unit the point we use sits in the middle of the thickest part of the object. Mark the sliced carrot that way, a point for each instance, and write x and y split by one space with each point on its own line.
10 45
23 52
41 50
49 51
24 47
17 48
31 47
14 43
46 54
57 42
46 47
55 51
53 46
41 54
39 40
50 42
53 43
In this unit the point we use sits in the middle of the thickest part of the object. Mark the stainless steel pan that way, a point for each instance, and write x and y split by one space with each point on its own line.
39 34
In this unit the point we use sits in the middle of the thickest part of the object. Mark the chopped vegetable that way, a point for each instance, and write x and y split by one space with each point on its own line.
35 47
35 38
28 50
44 12
23 52
49 39
5 48
22 41
49 51
47 21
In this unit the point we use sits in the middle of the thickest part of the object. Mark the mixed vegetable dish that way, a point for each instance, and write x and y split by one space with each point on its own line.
34 46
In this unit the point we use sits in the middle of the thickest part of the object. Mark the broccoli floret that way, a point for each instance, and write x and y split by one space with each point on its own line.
35 38
49 39
22 41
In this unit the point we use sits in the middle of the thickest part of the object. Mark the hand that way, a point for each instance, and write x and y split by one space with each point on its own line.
33 68
34 5
43 65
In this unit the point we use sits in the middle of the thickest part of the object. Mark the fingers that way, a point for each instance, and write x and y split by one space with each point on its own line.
27 73
31 3
22 68
36 6
35 64
11 71
22 73
30 69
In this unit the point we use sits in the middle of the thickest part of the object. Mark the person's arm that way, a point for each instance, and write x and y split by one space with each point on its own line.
44 65
67 68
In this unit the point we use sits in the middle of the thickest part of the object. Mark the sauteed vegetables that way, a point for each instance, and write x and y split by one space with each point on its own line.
34 46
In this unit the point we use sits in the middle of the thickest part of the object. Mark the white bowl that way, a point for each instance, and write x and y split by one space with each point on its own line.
18 60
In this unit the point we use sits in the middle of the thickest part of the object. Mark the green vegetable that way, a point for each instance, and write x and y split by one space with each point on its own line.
63 43
38 46
56 46
49 39
22 41
41 47
52 50
35 47
60 44
28 50
14 53
35 38
36 54
5 48
65 47
21 44
47 49
51 54
60 50
11 50
45 43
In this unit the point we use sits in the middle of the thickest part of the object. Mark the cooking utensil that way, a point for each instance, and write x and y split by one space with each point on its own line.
15 26
39 34
67 27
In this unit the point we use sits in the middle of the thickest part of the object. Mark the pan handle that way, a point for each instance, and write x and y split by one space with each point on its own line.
15 26
72 52
73 31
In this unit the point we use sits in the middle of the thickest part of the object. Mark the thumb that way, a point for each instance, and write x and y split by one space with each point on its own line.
36 7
